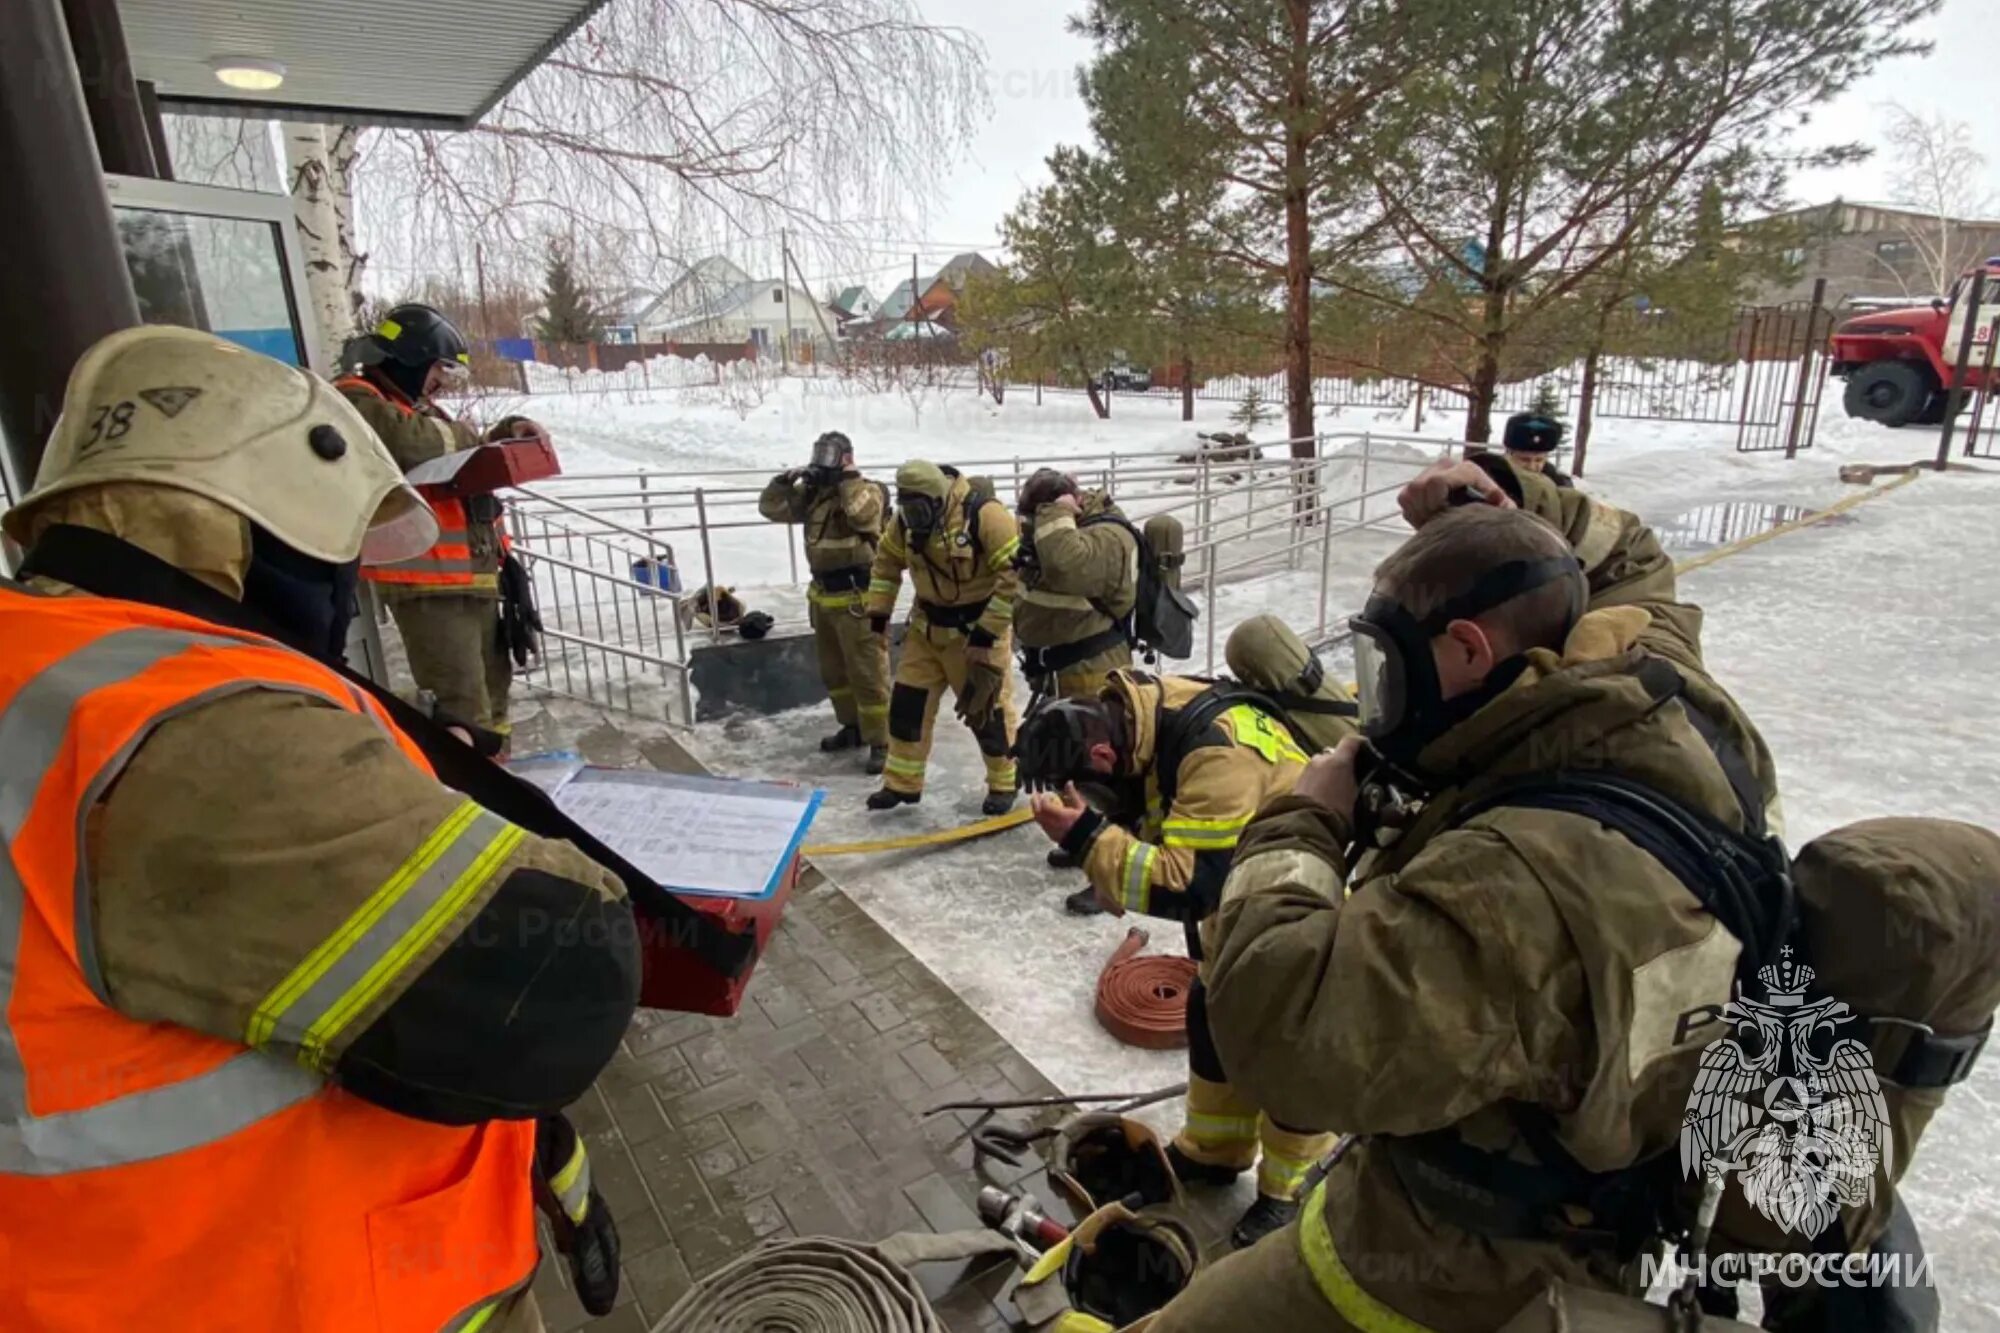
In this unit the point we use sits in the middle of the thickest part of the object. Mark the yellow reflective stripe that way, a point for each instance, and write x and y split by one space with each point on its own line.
1203 842
882 586
265 1019
1335 1283
874 710
832 601
350 969
571 1185
1205 835
907 767
389 329
1003 557
998 608
1207 1128
840 692
1280 1176
1136 890
442 912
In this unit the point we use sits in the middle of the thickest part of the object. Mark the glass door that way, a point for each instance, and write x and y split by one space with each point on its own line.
223 261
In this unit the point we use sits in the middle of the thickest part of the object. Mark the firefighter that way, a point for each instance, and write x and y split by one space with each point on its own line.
958 544
1079 580
842 514
279 1013
1530 442
1492 1000
447 603
1186 764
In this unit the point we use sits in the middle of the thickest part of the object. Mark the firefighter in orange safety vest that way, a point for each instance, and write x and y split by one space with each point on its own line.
284 1036
449 602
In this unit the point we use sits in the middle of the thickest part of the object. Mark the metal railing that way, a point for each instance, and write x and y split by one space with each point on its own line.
623 643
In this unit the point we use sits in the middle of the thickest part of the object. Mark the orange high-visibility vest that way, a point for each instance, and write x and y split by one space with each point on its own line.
449 563
151 1176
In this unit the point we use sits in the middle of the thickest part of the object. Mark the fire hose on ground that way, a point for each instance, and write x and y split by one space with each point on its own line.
1142 999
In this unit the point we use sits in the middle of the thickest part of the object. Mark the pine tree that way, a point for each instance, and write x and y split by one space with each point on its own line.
1253 411
1549 401
568 314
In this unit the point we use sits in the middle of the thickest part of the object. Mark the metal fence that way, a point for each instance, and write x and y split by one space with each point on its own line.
1762 371
603 548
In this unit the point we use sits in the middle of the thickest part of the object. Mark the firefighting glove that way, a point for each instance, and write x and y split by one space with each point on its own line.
577 1213
879 624
981 694
520 622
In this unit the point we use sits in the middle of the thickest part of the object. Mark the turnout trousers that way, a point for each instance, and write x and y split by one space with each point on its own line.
932 660
453 643
854 663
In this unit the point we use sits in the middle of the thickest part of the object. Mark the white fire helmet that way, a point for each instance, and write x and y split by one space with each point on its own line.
175 407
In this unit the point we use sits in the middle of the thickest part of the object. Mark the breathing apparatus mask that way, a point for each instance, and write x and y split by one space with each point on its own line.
829 457
1403 708
921 514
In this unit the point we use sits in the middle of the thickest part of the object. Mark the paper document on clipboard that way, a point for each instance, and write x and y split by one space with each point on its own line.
440 470
716 837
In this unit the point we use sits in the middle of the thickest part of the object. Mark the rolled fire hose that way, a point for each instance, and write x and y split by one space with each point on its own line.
1142 1000
821 1284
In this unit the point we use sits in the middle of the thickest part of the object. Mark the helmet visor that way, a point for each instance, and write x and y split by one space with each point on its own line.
403 528
830 453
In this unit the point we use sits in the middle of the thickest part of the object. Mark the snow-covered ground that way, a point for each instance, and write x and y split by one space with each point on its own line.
1865 649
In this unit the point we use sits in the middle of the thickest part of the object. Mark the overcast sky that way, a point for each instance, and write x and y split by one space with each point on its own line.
1032 60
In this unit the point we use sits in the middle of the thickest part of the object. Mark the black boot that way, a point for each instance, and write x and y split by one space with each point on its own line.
997 803
1083 903
593 1258
1261 1219
889 800
1060 859
878 759
847 738
1192 1172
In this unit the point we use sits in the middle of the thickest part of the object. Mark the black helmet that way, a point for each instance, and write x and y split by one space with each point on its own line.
418 337
1532 433
755 625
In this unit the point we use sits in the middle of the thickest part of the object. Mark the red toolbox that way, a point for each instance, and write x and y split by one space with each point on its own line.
676 979
487 468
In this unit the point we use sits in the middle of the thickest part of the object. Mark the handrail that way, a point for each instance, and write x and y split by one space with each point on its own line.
1243 516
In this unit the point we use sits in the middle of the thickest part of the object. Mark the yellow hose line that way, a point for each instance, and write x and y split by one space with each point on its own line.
938 838
1838 507
1016 818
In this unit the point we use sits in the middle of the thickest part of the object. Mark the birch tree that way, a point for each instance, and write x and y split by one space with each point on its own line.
1939 172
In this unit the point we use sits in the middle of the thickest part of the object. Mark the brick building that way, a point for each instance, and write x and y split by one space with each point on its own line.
1881 250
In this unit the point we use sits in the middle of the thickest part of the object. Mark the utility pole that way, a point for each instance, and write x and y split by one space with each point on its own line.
819 313
785 280
911 314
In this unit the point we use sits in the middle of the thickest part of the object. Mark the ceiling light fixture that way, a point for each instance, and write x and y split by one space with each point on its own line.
252 74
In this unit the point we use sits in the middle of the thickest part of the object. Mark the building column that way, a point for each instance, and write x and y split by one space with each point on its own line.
63 284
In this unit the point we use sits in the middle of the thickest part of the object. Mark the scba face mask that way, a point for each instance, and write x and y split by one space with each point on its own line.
921 514
1403 708
830 453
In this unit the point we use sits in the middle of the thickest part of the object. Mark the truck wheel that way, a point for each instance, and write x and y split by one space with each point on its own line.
1891 392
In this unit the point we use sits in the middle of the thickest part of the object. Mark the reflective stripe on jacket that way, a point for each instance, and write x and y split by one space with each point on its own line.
154 1176
452 562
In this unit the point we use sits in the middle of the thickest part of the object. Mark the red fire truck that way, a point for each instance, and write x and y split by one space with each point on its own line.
1898 362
